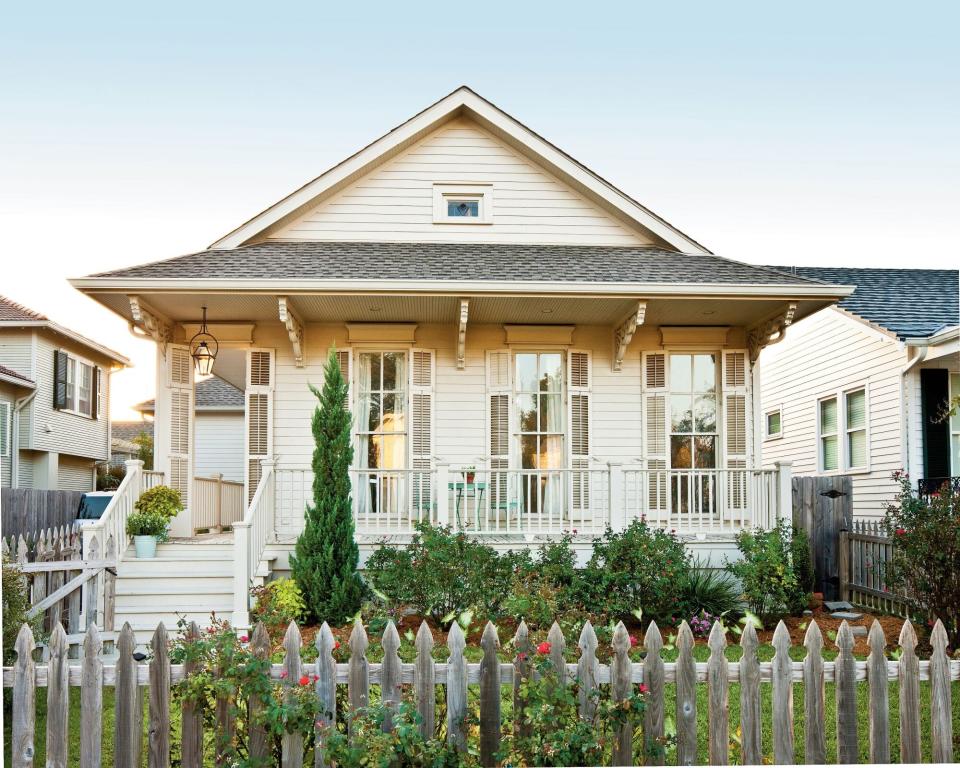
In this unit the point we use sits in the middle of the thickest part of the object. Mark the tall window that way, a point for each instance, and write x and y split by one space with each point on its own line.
843 431
381 412
955 425
539 393
71 401
856 413
693 411
829 458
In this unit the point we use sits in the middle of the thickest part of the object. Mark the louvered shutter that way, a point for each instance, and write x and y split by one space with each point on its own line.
181 417
736 425
259 396
655 428
579 383
96 381
345 361
5 428
59 379
498 423
422 376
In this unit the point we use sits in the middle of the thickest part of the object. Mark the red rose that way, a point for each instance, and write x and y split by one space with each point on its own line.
901 532
244 638
304 680
336 644
522 656
633 641
544 648
643 688
283 674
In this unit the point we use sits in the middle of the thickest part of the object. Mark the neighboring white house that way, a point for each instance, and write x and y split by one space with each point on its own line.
529 350
858 388
54 402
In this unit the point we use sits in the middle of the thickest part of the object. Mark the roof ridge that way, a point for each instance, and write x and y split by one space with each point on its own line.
23 308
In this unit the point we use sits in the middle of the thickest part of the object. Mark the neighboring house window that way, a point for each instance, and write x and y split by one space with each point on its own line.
77 386
955 423
462 204
843 431
774 421
693 411
4 429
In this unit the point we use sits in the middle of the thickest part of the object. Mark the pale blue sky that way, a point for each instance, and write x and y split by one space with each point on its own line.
825 133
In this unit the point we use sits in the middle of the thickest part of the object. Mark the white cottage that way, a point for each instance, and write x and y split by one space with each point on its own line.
529 350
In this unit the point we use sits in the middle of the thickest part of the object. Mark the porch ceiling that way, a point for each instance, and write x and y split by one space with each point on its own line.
182 307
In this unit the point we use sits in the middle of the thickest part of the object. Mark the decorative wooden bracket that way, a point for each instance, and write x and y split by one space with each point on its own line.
294 328
462 334
624 333
770 331
155 325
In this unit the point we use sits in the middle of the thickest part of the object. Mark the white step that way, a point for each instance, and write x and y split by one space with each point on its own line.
151 587
175 568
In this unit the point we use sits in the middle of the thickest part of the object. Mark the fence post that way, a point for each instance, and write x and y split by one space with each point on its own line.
424 675
844 565
191 724
750 718
489 697
218 508
653 676
621 687
158 735
456 688
443 496
390 674
784 492
588 671
909 676
815 737
258 747
358 685
941 728
58 699
24 702
783 750
127 725
616 498
91 700
846 691
291 744
718 692
879 706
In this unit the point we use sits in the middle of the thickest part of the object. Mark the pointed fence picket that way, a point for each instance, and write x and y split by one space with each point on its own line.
619 679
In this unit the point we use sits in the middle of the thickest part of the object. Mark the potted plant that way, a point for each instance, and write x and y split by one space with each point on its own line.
471 473
149 523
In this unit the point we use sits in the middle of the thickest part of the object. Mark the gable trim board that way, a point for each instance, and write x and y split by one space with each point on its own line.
462 101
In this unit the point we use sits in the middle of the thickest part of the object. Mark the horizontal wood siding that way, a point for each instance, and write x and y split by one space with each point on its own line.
218 445
822 355
75 474
395 201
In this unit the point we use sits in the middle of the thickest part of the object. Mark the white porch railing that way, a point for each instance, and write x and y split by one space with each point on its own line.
250 537
151 479
110 531
216 503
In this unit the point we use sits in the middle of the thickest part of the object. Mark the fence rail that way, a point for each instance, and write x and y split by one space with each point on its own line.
217 503
866 552
492 675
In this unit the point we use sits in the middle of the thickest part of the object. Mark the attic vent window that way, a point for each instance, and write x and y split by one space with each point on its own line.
462 204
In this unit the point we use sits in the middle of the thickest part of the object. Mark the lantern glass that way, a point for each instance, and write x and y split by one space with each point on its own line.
204 359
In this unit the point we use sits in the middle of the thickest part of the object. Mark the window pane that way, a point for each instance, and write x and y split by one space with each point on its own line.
955 419
551 372
856 409
828 416
857 448
773 423
527 412
681 375
527 373
528 451
551 413
394 377
551 452
830 453
86 375
468 208
71 401
681 413
370 410
704 373
955 449
681 452
705 451
393 416
387 452
369 371
705 413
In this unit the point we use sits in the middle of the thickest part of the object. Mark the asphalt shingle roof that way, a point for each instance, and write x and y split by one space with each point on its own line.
456 261
10 310
128 430
907 302
209 393
15 375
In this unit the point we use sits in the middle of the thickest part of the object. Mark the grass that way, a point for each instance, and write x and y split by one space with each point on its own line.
700 652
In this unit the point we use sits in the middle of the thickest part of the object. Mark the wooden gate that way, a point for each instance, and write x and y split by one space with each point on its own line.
823 507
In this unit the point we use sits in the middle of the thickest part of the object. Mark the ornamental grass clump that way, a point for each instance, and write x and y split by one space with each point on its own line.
925 566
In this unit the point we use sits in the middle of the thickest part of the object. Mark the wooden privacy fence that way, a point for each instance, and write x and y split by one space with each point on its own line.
823 507
492 675
26 510
866 552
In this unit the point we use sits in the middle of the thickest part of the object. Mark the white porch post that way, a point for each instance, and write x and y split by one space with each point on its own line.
785 490
241 575
443 478
616 500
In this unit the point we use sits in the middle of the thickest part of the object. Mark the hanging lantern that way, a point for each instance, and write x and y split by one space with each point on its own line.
204 348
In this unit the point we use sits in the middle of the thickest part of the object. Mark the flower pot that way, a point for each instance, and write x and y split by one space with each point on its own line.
470 477
146 546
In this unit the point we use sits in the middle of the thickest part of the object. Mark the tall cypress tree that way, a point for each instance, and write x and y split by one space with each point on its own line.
325 559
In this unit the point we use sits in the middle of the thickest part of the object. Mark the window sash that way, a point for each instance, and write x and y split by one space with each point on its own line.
693 378
386 446
779 423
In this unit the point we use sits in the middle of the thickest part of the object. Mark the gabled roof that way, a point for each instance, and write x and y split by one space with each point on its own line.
911 303
213 394
14 315
17 379
463 101
129 430
462 262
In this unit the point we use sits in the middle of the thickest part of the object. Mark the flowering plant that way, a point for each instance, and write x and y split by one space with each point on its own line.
701 623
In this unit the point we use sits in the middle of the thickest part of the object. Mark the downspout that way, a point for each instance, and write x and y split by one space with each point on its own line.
18 405
918 358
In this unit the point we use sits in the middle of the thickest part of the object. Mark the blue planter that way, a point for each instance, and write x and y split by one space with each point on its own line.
146 546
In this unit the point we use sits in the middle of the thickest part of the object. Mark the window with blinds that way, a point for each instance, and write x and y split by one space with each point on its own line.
259 397
4 429
856 429
829 419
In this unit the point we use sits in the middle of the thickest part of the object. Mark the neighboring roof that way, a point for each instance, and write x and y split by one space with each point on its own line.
128 430
119 445
463 100
456 262
11 376
14 315
213 394
910 303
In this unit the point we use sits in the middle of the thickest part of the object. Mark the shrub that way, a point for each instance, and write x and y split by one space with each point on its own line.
148 523
639 568
160 500
712 591
16 603
110 477
767 573
542 590
926 554
278 603
325 559
442 573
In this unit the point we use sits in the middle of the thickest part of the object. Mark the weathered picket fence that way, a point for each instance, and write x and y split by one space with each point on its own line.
63 582
865 555
492 675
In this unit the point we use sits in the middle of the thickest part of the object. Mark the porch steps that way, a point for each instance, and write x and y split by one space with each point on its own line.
189 580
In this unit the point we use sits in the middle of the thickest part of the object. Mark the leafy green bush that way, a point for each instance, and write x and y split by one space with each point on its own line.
148 523
160 500
639 568
711 591
926 554
16 603
441 573
543 590
278 603
767 572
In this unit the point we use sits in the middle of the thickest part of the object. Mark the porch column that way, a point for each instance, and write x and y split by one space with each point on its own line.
616 501
443 478
784 491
